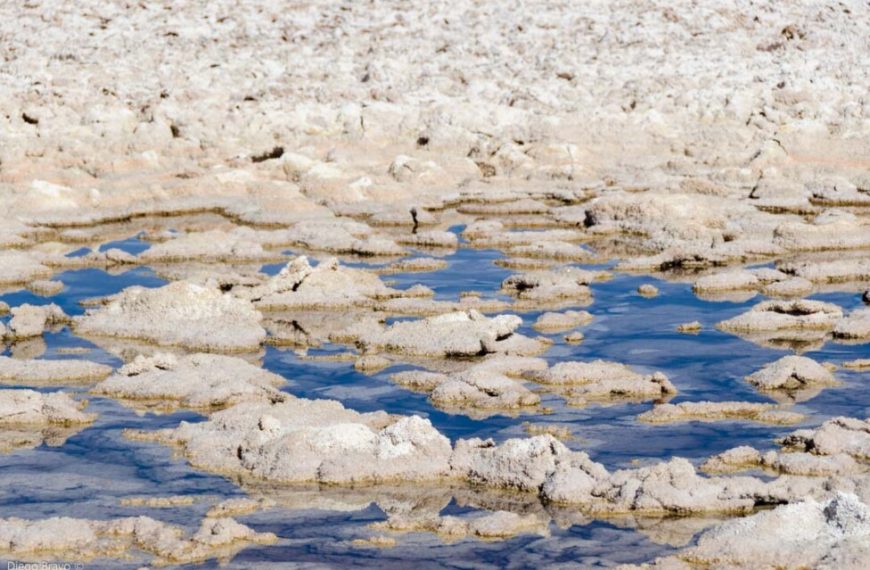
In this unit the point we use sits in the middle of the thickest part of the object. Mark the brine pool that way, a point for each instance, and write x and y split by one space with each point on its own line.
93 470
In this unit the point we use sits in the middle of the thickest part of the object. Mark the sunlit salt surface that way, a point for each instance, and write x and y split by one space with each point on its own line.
89 475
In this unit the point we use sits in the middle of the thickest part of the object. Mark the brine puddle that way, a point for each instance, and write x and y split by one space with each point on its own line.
89 474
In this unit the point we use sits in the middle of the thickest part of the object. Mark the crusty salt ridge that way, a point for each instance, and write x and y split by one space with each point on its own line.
452 335
831 535
791 463
44 372
599 380
30 419
497 525
785 315
855 326
480 390
296 440
547 288
202 381
717 411
791 374
560 322
34 409
32 320
329 285
178 314
839 435
62 538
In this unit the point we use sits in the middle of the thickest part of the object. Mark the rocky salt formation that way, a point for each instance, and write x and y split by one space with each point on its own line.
328 286
794 324
785 315
179 314
30 321
601 381
425 307
29 419
717 411
549 288
792 378
294 440
299 441
491 526
840 271
450 335
200 381
855 327
67 539
791 463
560 322
239 245
489 387
47 372
769 282
838 447
839 435
830 534
30 408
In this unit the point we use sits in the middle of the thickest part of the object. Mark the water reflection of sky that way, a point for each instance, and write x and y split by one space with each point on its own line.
95 468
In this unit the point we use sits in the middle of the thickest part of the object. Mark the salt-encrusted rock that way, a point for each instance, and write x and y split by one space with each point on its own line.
794 287
453 334
42 372
558 322
648 290
858 364
521 464
65 538
791 373
371 363
413 265
832 231
426 307
178 314
837 271
575 337
299 440
716 411
557 250
433 239
794 463
32 320
329 285
239 506
46 287
497 525
834 534
203 381
785 315
602 380
549 286
488 385
855 326
839 435
690 328
727 281
35 409
21 267
237 245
